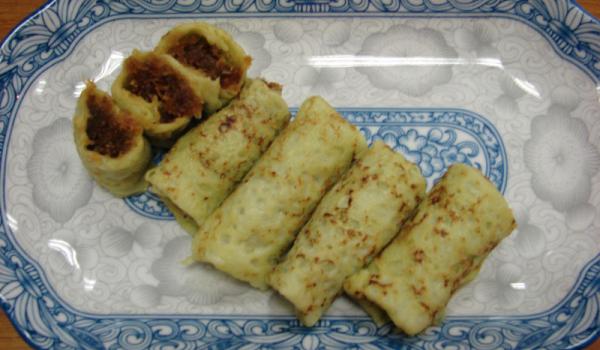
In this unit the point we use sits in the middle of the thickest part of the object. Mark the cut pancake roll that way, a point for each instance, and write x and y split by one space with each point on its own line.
440 249
208 54
161 97
110 143
351 225
258 222
206 163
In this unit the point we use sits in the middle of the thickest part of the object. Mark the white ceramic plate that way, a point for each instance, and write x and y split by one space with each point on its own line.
507 86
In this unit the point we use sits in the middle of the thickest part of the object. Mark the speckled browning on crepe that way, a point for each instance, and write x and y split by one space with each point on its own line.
202 168
110 143
463 218
351 224
258 222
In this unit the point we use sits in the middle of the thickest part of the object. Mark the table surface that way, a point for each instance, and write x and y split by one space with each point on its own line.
14 11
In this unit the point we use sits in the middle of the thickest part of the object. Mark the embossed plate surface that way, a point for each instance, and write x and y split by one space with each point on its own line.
510 87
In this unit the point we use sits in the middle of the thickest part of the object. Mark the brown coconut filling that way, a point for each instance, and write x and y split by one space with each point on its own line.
193 50
109 134
152 77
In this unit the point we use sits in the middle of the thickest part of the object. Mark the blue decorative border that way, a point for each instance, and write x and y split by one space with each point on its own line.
47 322
442 126
149 205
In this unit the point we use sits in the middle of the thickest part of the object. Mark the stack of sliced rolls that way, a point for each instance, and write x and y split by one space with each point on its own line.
302 206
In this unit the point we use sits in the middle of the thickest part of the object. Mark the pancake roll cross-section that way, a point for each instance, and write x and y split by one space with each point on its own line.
440 249
258 222
206 163
161 97
351 224
110 143
211 57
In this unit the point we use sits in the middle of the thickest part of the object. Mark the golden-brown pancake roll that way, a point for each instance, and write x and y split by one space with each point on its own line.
351 225
258 222
204 165
459 223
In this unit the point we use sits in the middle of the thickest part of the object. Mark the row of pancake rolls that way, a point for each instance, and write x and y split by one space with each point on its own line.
304 207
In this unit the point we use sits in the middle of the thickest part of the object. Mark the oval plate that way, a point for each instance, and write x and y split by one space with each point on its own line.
510 87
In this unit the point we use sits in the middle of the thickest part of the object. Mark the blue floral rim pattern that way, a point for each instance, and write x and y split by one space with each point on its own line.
437 138
149 205
47 322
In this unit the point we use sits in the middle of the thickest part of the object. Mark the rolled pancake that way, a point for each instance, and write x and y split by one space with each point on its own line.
161 97
110 143
459 223
258 222
204 165
351 224
210 55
